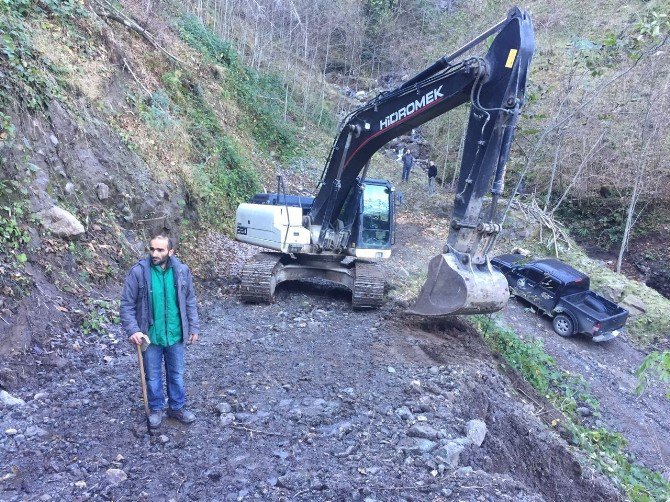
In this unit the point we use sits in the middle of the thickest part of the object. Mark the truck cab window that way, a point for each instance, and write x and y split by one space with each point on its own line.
549 284
375 217
534 276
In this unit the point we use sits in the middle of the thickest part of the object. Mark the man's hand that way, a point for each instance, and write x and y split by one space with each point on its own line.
192 338
137 338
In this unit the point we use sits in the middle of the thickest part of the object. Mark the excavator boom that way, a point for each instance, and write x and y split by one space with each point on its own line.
351 217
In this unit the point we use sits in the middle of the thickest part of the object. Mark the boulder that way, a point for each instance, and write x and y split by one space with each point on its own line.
102 191
416 446
8 400
613 291
422 431
476 432
634 305
116 476
60 222
450 453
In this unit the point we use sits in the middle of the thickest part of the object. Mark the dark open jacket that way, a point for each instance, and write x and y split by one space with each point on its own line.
137 313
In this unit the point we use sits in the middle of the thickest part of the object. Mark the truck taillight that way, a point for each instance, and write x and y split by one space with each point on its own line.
596 327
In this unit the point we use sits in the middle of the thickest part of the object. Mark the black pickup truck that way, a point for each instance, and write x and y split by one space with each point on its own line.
563 293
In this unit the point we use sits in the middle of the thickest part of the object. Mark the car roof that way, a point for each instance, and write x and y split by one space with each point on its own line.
559 270
551 266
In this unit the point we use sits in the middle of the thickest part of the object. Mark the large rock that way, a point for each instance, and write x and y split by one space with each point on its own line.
634 305
476 432
422 431
60 222
8 400
450 453
416 446
116 476
102 191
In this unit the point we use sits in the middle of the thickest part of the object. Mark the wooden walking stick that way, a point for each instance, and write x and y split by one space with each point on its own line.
143 382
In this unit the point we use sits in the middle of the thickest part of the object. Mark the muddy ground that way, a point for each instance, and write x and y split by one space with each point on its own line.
315 402
318 402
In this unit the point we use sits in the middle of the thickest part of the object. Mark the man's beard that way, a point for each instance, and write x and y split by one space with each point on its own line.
160 262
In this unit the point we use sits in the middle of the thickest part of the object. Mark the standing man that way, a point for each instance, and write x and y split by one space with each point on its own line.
158 300
432 174
407 163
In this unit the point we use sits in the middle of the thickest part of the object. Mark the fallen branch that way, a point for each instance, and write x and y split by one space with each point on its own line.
130 69
532 211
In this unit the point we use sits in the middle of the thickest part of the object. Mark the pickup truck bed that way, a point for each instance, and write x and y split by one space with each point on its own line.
592 309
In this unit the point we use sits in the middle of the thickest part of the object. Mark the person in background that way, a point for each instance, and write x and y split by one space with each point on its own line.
432 174
407 163
158 300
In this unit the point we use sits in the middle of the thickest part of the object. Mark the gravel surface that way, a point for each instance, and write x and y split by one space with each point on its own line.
303 399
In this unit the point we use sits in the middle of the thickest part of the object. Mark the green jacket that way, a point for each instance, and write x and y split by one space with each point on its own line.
166 329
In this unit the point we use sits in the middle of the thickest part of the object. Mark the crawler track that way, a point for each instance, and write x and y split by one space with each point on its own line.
259 278
368 286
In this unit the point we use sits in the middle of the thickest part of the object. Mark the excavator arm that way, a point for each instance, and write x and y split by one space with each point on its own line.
493 84
461 279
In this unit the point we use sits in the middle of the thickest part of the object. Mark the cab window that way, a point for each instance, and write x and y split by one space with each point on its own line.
375 217
549 283
533 275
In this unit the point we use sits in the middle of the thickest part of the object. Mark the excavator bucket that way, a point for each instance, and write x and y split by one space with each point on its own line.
454 288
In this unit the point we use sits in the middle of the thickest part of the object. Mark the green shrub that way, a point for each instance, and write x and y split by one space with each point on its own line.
223 176
655 364
99 316
155 111
12 208
26 72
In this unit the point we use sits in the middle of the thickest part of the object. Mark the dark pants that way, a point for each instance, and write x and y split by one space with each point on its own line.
405 172
173 356
431 185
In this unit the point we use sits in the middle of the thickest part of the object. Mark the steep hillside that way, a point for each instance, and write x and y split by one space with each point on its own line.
111 130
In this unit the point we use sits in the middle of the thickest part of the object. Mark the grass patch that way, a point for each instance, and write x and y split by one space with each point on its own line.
222 176
26 72
604 449
260 96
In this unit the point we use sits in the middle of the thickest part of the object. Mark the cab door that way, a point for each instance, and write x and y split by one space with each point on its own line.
527 285
547 290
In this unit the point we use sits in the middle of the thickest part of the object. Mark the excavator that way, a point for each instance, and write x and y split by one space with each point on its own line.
341 234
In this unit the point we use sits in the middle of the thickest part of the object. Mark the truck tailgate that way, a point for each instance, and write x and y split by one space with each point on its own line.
593 306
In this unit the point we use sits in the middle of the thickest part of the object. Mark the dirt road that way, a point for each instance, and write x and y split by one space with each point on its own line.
300 400
315 402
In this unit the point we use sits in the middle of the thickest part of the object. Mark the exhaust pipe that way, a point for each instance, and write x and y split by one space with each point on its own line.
456 286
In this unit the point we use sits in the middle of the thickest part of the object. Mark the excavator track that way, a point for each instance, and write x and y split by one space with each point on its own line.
259 278
368 289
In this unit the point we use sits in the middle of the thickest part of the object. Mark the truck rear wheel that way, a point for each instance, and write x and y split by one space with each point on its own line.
563 325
